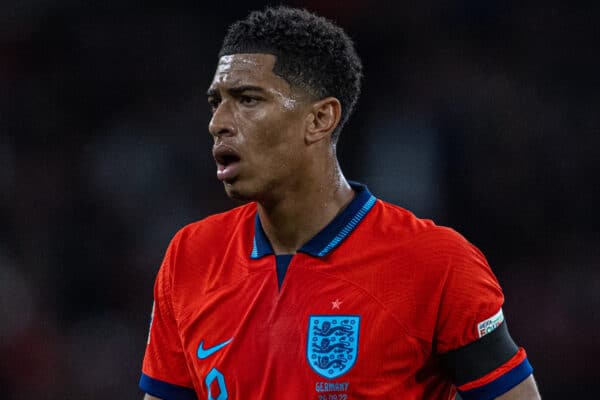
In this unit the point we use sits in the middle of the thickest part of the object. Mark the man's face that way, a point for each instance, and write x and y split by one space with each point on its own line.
257 126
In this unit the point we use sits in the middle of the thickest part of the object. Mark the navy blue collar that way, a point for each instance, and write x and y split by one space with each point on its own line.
332 235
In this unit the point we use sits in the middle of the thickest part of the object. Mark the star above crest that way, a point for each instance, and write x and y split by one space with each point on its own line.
335 305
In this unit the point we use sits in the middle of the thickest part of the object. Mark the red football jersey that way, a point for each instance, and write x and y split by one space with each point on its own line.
378 305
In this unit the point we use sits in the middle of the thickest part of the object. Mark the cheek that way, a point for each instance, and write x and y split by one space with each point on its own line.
273 139
274 131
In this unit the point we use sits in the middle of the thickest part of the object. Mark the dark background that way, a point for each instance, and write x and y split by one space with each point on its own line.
480 115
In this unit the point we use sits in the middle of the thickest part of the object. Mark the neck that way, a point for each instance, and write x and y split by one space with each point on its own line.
301 212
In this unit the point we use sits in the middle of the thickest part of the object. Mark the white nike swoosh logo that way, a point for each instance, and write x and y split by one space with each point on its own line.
203 353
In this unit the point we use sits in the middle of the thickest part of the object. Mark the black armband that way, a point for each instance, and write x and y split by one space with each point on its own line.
480 357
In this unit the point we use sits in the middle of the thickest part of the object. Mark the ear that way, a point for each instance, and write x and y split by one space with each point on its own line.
323 118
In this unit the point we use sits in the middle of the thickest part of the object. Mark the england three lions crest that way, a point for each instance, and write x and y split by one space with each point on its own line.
332 345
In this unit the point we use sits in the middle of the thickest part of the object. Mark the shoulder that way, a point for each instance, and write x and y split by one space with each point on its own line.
434 248
397 218
197 250
426 267
212 234
221 223
396 221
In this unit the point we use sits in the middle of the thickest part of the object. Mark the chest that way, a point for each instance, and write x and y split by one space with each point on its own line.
319 336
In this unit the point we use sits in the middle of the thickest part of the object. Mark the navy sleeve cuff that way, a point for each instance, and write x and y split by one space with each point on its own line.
501 385
165 390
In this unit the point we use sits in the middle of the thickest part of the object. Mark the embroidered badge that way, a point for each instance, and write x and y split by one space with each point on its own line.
332 345
488 325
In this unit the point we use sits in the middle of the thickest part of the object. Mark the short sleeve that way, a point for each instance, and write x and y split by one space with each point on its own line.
164 370
471 335
471 294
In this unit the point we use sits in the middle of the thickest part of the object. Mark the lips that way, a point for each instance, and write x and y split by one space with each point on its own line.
228 160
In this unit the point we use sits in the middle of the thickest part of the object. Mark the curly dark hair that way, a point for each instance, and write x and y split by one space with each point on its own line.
312 53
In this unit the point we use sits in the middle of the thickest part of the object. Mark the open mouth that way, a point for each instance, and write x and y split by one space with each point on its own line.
228 160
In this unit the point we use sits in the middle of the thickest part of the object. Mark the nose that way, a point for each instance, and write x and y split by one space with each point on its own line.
222 121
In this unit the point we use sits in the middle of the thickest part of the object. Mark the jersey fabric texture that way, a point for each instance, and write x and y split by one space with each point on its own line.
379 305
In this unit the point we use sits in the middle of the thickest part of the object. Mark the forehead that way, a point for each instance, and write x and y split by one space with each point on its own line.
247 69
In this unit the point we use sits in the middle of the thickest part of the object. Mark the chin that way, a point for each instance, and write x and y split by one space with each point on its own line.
236 191
245 190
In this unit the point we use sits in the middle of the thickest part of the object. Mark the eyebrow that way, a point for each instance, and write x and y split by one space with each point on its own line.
212 92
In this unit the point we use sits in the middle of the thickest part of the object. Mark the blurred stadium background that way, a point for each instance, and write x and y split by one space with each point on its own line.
481 115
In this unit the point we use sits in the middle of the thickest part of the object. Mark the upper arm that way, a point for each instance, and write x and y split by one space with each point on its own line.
164 369
472 339
526 390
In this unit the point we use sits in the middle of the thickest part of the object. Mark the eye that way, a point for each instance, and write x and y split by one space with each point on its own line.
213 103
248 100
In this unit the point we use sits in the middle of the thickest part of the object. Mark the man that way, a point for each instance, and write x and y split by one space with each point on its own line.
315 289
